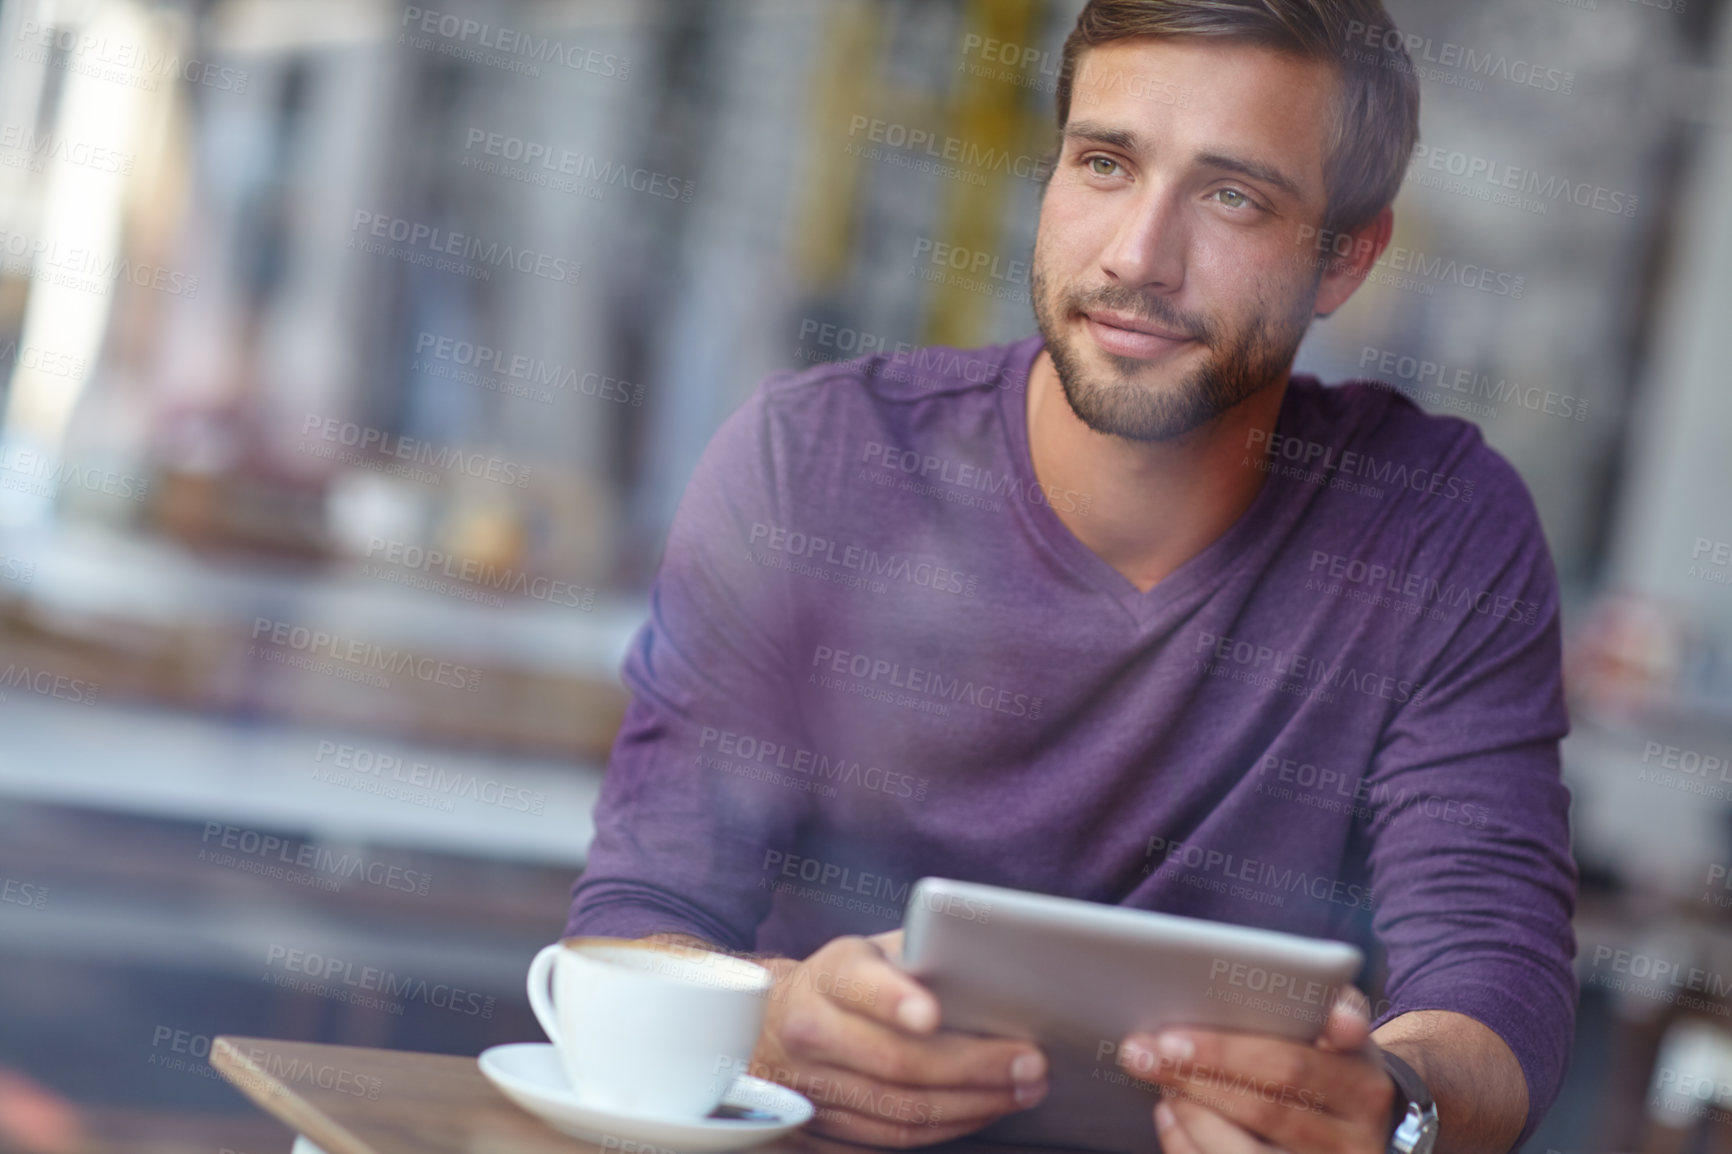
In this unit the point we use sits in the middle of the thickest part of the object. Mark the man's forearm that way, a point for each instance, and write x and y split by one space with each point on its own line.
1481 1093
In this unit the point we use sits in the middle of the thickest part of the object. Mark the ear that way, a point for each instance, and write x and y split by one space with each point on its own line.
1351 260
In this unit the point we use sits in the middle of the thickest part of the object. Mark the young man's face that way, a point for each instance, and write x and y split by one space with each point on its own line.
1168 278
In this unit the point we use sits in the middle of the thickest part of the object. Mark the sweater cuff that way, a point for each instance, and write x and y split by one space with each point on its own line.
1537 1024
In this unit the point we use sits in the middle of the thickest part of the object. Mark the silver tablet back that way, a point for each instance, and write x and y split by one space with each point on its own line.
1076 977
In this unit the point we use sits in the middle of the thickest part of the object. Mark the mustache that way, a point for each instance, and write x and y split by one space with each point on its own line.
1157 310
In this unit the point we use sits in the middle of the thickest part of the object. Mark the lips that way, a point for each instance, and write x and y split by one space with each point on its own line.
1132 337
1135 325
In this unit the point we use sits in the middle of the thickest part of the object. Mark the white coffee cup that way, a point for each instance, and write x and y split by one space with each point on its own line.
646 1028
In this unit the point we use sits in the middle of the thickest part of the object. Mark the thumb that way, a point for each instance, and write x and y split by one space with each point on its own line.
1349 1025
890 942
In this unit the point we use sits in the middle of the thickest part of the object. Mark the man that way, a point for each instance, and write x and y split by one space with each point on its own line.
1126 612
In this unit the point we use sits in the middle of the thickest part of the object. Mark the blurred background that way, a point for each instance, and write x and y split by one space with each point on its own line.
355 356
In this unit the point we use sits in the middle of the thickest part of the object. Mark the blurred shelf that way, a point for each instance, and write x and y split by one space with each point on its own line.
147 621
199 768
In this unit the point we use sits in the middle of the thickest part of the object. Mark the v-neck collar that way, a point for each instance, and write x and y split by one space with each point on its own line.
1174 594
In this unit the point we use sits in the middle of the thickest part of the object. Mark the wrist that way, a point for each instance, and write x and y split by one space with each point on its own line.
1413 1123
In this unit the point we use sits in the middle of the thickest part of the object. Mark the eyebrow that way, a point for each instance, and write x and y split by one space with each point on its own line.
1128 141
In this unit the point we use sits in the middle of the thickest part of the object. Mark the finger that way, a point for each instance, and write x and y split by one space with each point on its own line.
870 1131
1348 1027
1207 1130
821 1032
1175 1136
847 1091
1298 1076
859 972
890 941
1278 1089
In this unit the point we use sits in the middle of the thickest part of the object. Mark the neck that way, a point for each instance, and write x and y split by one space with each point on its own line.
1152 506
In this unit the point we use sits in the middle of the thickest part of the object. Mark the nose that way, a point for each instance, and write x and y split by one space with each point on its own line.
1149 242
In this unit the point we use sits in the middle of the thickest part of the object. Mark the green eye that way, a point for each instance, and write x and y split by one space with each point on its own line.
1240 200
1095 162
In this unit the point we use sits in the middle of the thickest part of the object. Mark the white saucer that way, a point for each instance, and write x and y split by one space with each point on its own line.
530 1074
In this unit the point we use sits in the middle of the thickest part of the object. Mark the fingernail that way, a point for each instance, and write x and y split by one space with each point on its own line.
1163 1115
917 1014
1028 1093
1029 1067
1135 1053
1175 1046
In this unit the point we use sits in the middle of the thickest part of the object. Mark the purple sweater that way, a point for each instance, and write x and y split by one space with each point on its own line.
875 652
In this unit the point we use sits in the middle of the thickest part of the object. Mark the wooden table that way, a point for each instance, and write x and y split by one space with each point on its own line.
355 1100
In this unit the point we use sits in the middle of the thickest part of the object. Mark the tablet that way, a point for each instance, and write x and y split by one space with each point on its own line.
1076 977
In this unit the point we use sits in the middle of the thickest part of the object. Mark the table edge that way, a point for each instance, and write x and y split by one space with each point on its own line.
276 1099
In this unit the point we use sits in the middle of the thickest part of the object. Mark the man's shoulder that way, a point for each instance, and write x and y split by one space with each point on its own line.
798 426
1383 439
906 376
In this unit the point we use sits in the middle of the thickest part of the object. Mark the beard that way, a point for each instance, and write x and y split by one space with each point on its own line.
1239 362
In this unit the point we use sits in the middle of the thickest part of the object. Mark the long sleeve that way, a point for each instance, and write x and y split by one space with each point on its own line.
1470 854
691 797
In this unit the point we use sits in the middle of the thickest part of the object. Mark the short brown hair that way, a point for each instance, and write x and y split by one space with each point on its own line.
1377 118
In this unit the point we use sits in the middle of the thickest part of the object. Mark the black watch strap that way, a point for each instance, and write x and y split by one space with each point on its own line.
1413 1128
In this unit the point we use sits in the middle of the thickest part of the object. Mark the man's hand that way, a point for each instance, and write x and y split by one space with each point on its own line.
857 1036
1235 1093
